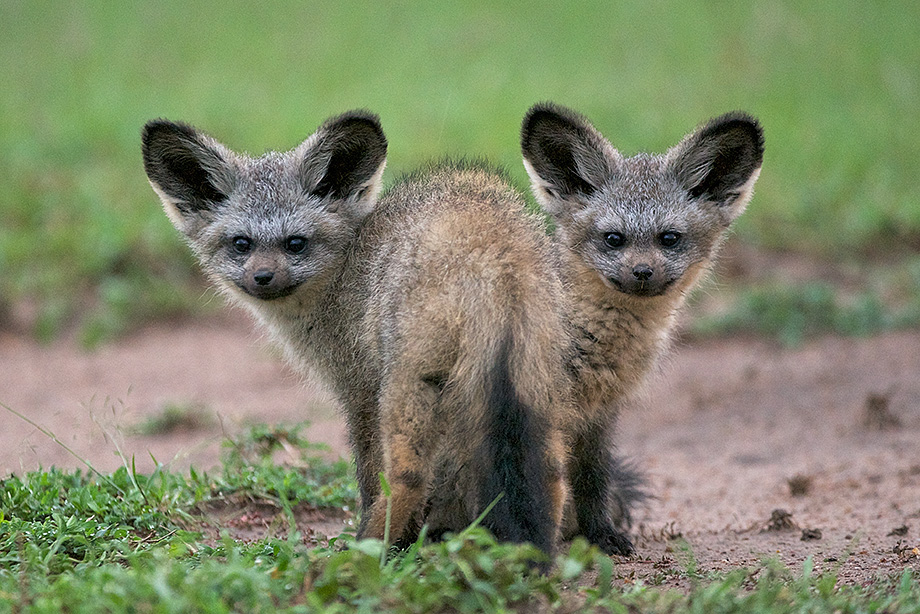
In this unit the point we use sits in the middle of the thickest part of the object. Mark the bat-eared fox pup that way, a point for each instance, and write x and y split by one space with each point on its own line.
436 314
635 235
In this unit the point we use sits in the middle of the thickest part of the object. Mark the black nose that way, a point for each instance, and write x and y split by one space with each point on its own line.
263 277
642 272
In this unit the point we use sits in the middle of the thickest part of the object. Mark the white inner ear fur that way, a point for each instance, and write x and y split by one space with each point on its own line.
745 192
170 205
541 188
697 174
363 199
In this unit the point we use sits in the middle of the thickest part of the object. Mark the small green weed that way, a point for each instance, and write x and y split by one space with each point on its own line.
306 475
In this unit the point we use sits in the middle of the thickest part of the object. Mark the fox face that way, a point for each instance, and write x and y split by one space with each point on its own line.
275 226
639 233
647 225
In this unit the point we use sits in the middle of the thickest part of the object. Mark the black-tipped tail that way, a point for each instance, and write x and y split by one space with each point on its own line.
513 462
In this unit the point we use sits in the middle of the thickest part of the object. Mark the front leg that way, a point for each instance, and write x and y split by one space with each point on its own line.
591 481
364 432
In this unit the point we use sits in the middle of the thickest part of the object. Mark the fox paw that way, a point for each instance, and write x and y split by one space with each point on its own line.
611 541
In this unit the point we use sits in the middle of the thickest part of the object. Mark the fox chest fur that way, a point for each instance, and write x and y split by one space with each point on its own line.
615 349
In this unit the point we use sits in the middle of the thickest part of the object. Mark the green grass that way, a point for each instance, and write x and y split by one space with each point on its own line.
66 520
176 417
83 242
792 313
877 299
125 542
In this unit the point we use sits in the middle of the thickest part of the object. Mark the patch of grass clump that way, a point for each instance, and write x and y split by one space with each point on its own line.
53 521
62 520
791 313
176 417
303 474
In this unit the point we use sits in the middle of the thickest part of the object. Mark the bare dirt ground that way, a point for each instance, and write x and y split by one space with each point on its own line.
731 431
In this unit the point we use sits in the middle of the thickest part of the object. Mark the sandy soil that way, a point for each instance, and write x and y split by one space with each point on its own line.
729 432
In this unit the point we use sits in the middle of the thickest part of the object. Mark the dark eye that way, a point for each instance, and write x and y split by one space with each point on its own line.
242 245
614 239
295 245
669 239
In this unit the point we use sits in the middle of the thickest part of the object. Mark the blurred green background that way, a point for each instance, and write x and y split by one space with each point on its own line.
85 247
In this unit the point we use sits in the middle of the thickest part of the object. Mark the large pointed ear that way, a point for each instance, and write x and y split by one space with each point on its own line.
564 155
191 172
720 162
343 162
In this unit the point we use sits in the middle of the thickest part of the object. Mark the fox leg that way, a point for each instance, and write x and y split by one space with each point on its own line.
410 438
555 471
590 481
364 431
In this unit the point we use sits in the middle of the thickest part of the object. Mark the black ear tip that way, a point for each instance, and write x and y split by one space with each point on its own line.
358 120
359 115
548 111
153 128
164 129
165 125
549 116
541 110
738 122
